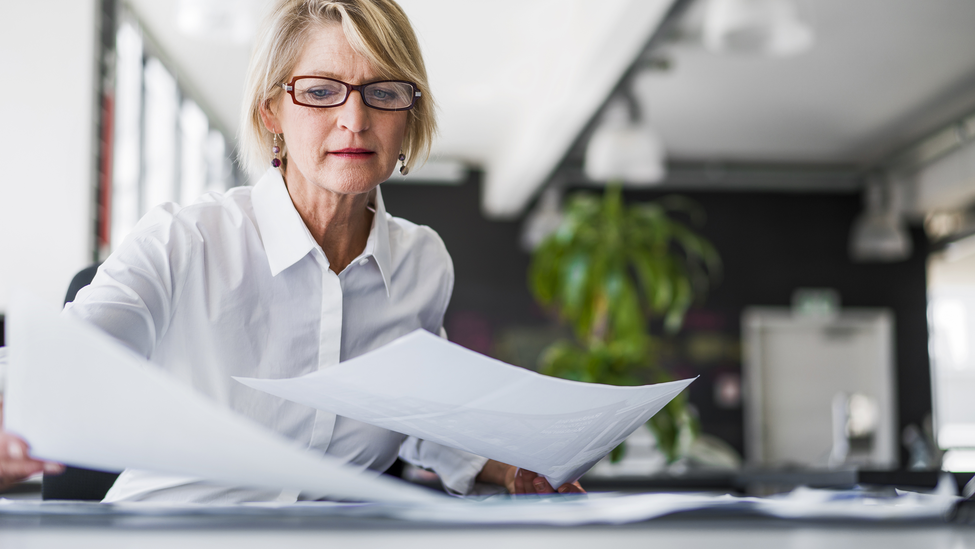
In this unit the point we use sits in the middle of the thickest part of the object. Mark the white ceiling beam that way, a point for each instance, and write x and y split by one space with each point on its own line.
561 108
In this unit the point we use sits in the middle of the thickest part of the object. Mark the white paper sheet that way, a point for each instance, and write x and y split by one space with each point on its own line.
803 504
811 503
78 397
425 386
557 510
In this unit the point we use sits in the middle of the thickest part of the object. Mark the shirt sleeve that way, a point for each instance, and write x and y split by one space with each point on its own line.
457 469
133 293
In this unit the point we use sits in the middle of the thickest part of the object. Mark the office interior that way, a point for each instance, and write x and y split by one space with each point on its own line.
834 163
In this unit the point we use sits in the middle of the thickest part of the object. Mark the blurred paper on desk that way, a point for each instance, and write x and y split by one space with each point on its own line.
79 397
425 386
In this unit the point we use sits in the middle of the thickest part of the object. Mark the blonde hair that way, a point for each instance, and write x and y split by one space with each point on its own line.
376 29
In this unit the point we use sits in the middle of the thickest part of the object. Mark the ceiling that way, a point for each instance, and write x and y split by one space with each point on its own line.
518 81
880 74
513 90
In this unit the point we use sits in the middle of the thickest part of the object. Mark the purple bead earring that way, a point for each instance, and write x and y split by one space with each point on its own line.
403 170
276 162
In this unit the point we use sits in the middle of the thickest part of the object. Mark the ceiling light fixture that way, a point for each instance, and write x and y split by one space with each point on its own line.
879 234
624 147
764 27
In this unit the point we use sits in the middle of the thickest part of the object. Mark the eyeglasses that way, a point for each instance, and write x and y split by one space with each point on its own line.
387 95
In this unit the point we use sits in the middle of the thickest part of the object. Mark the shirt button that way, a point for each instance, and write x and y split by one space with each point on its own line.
363 261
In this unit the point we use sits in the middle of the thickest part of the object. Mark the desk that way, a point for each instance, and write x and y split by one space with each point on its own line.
278 528
102 527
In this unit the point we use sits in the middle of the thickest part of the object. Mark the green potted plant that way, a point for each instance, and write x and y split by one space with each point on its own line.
608 270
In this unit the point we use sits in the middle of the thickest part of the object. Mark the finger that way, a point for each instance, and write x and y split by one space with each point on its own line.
519 481
541 486
15 450
571 488
13 471
523 482
16 463
528 481
52 468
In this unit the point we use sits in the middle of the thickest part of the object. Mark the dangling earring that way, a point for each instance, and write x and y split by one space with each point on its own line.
403 170
276 162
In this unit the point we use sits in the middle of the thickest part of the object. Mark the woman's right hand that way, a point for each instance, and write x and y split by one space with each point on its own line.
521 481
16 463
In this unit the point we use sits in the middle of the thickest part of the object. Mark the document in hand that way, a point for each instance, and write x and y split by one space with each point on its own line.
425 386
77 396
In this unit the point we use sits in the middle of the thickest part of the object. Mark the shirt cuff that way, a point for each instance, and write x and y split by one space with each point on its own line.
457 469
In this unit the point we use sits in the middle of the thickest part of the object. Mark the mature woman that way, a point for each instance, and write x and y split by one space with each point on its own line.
303 270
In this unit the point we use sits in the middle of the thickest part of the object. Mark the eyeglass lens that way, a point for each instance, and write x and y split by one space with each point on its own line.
324 92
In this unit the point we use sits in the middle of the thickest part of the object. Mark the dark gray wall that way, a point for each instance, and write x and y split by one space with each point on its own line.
770 243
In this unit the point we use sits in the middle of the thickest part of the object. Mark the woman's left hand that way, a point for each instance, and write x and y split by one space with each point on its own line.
522 481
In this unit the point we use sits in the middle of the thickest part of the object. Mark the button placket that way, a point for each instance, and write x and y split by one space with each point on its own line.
329 349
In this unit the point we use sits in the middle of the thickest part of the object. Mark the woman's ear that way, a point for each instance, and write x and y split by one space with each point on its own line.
268 117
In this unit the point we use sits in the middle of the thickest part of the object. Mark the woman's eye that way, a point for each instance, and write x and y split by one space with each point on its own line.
322 95
382 94
319 93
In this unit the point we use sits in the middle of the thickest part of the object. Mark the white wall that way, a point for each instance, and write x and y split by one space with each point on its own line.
47 112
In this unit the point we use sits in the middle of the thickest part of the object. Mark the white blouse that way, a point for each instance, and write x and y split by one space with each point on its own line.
235 285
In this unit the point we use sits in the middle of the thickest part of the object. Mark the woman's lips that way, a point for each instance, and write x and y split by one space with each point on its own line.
352 153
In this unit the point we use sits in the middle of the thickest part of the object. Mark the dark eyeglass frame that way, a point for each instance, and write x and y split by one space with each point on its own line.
290 88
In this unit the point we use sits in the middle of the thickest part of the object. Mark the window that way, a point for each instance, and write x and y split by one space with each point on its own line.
165 147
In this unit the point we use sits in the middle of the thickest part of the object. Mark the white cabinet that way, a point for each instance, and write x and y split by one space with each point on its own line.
799 376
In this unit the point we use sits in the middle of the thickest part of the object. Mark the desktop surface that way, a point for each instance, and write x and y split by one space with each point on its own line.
88 524
277 529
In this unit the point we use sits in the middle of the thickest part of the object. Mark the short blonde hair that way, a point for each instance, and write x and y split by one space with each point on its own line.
376 29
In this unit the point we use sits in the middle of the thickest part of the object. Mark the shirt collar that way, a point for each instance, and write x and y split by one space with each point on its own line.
286 238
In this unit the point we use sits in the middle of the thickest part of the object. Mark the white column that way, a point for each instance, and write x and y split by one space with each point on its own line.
48 108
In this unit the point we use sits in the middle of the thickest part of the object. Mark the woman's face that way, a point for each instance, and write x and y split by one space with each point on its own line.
347 149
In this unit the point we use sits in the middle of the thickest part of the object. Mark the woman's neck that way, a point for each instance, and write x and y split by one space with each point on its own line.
340 223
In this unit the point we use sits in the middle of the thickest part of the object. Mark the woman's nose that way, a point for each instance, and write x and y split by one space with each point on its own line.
354 114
